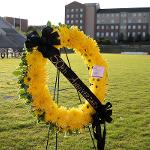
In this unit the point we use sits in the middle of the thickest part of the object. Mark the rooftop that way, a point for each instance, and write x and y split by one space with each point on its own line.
118 10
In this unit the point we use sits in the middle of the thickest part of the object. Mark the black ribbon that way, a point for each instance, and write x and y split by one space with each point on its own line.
96 125
45 45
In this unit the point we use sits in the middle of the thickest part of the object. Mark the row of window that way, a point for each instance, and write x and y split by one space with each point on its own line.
120 14
115 34
131 20
99 21
107 27
107 15
74 16
107 34
133 34
112 27
135 27
74 21
74 10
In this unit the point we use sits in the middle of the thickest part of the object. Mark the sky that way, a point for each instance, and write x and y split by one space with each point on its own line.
38 12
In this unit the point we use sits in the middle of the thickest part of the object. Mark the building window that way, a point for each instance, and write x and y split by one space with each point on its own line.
81 9
98 15
102 27
112 15
107 34
81 27
112 34
124 21
72 10
77 9
98 21
143 34
144 14
116 34
116 27
112 21
107 27
81 21
139 20
139 14
129 27
76 21
121 27
129 21
133 34
97 34
144 26
67 10
68 21
117 15
81 15
123 15
112 27
102 20
129 34
77 15
72 21
133 27
102 34
102 15
134 14
97 27
72 16
67 16
107 15
139 26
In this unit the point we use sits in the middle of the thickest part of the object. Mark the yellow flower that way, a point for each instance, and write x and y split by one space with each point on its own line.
36 79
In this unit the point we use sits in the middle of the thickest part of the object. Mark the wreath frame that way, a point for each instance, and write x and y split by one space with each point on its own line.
34 74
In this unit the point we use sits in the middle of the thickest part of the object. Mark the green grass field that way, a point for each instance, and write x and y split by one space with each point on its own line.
129 92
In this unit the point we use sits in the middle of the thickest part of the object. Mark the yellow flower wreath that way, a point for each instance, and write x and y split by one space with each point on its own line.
36 80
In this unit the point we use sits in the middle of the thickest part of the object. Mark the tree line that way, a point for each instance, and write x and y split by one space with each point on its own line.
130 39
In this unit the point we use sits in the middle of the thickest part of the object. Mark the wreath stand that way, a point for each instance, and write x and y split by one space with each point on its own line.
45 45
56 98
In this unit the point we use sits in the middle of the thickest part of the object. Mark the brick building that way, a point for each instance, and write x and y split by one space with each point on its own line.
109 23
22 24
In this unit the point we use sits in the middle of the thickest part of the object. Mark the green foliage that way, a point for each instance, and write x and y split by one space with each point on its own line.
21 72
104 41
128 91
17 72
49 24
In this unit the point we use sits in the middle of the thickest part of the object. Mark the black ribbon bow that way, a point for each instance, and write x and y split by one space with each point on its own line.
45 43
46 46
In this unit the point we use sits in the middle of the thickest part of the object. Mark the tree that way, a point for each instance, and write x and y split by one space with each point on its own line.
104 41
147 37
31 28
130 38
138 38
49 24
121 37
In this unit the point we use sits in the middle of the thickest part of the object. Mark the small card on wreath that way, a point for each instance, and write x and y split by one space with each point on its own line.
98 71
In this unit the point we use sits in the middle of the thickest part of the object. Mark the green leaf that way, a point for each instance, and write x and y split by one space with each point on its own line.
17 72
22 91
49 24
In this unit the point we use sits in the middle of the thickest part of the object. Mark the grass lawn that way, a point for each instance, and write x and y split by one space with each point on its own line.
129 93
